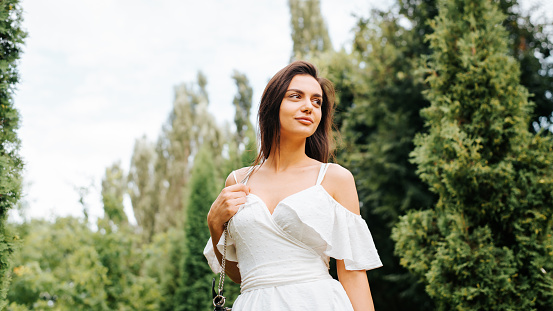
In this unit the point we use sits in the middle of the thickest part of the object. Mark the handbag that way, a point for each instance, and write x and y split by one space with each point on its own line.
218 297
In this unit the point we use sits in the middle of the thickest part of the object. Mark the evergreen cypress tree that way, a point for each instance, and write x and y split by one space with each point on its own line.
529 42
11 164
379 98
378 130
194 291
487 244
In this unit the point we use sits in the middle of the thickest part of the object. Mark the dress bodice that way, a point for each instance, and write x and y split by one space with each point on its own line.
294 243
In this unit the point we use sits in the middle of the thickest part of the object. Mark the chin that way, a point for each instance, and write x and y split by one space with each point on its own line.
306 134
297 132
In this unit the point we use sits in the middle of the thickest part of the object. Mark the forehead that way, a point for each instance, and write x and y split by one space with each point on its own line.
305 83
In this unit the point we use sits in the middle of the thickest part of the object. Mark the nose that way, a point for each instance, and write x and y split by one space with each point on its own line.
307 105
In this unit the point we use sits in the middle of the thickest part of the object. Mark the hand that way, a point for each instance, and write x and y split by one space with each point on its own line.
226 205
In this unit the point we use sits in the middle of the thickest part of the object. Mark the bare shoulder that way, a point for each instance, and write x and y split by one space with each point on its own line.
340 184
339 174
240 175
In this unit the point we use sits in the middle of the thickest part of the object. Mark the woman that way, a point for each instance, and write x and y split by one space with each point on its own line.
291 212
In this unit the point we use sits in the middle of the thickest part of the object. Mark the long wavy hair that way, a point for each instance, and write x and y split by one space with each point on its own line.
319 145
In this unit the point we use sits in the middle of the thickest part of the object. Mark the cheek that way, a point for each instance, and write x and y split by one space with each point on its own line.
286 111
319 116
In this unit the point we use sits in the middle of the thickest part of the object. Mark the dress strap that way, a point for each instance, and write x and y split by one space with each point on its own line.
248 174
322 173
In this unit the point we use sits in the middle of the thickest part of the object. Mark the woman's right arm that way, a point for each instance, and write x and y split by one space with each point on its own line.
224 207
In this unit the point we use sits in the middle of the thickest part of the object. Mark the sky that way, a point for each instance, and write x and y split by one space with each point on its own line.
98 74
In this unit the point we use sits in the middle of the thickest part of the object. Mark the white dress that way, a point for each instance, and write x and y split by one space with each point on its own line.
283 258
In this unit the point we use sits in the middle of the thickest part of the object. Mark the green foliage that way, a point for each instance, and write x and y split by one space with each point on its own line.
309 31
11 164
161 262
378 103
379 88
492 177
245 148
114 186
242 103
194 292
486 245
158 172
530 42
141 187
188 123
158 177
343 70
16 307
66 266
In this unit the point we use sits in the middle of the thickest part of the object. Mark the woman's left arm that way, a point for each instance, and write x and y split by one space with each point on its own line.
357 287
341 186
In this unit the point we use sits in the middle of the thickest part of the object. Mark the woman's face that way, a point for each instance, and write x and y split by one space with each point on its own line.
300 110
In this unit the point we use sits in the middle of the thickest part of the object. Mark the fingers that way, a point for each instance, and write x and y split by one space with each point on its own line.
238 201
239 187
231 199
227 204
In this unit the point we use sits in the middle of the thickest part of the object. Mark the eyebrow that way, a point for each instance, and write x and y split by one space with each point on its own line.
303 93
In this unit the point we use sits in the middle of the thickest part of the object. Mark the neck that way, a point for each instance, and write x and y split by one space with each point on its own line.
290 154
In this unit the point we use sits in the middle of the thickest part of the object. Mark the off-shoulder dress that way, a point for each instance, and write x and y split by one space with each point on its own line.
283 257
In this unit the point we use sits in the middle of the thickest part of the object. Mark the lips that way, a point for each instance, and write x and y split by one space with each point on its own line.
305 120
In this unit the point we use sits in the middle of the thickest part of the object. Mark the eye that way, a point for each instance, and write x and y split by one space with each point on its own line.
294 95
317 102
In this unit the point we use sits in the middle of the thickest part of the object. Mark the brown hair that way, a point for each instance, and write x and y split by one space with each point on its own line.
318 145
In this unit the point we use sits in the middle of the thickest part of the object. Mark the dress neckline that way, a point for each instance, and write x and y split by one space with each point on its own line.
266 207
320 177
270 214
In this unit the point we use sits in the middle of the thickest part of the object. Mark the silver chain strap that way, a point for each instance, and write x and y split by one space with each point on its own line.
219 300
224 261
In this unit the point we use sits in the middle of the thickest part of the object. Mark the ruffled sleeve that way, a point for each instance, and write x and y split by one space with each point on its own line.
209 253
350 239
332 230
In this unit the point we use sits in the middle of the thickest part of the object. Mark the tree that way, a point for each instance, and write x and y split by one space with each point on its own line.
58 265
529 42
158 179
141 187
119 251
162 259
309 30
486 244
179 134
245 147
11 164
377 114
194 291
188 127
242 103
377 129
379 89
64 265
114 186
